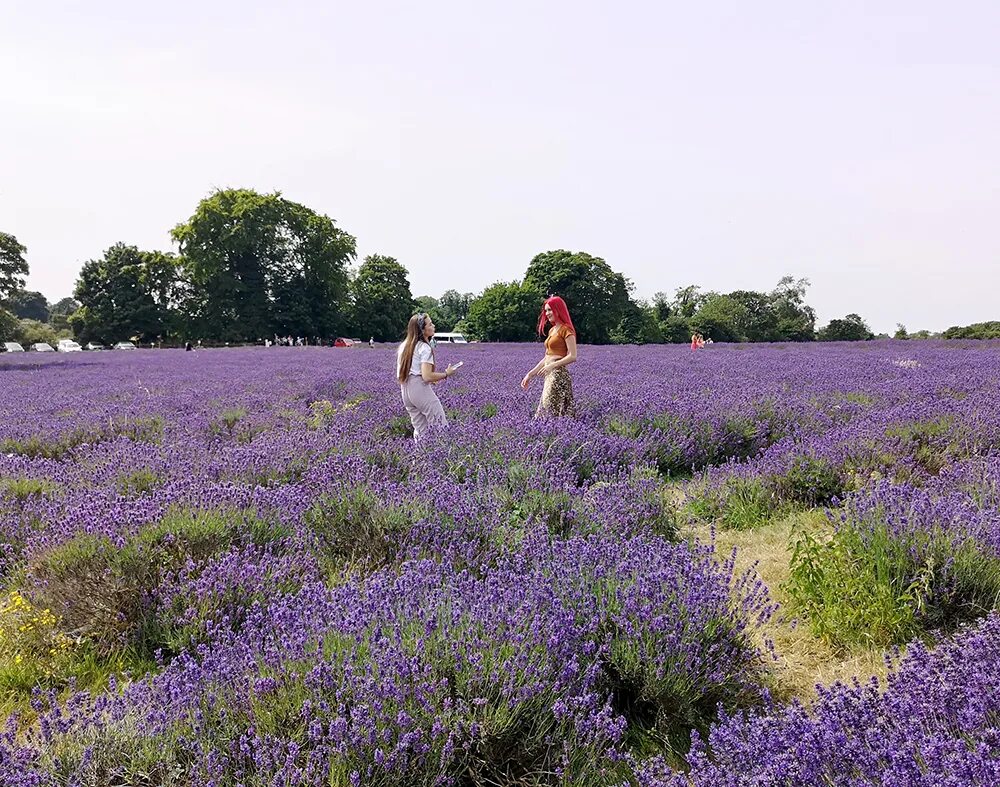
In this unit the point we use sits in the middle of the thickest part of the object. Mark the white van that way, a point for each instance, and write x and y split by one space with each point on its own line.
450 338
68 346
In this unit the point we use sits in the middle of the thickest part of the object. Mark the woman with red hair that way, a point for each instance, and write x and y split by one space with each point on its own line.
560 352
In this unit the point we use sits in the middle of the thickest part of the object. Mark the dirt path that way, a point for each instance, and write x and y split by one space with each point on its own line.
803 660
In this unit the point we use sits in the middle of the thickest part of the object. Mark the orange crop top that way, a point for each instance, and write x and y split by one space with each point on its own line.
555 343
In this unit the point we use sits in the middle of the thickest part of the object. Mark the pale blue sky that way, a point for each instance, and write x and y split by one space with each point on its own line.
718 143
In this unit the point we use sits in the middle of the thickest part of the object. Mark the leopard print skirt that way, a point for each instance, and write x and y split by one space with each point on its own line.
557 395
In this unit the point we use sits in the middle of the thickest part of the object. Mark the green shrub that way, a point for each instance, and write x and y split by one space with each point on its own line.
106 594
864 585
620 426
738 504
142 429
37 446
930 443
228 425
398 426
323 411
21 489
355 529
749 504
810 481
137 483
552 508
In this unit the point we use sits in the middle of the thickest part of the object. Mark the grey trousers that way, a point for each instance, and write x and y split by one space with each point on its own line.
423 406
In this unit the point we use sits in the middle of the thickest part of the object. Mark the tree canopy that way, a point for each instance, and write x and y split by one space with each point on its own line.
382 299
978 330
126 294
850 329
13 265
505 312
65 306
597 296
29 305
256 265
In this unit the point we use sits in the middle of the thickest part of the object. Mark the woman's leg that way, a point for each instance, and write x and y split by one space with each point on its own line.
423 398
417 418
557 395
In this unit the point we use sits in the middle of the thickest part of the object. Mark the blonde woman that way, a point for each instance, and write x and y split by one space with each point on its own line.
415 372
560 352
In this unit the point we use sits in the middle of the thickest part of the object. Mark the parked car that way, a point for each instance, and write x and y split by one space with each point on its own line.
450 338
93 346
12 347
123 346
342 342
42 347
68 346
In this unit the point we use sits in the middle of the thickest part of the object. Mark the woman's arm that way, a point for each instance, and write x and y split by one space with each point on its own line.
430 376
533 373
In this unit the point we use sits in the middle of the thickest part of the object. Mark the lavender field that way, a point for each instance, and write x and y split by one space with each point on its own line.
235 567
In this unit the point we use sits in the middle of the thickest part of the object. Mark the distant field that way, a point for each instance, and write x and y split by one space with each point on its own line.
235 567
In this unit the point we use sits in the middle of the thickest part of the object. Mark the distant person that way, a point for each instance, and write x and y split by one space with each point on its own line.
560 352
415 372
371 342
188 347
697 342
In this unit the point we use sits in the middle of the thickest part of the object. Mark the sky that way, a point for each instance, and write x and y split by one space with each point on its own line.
723 144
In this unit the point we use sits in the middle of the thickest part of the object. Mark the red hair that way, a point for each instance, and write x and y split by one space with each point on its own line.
558 306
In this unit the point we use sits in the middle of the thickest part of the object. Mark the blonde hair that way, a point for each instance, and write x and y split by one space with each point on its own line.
414 335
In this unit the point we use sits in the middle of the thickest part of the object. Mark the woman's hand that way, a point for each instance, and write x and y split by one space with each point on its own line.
527 379
449 370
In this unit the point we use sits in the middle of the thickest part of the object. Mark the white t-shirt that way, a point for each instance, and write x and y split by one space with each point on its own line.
422 353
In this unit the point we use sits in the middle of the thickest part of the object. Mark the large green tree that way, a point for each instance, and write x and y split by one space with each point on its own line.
13 266
29 305
126 293
259 264
978 330
757 321
382 299
688 300
9 325
796 319
61 311
719 319
428 304
65 306
672 325
638 325
452 308
850 329
30 332
505 312
597 296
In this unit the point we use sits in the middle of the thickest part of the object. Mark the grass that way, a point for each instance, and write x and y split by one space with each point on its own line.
22 489
803 660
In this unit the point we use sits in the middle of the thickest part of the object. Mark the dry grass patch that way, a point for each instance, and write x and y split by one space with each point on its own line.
803 660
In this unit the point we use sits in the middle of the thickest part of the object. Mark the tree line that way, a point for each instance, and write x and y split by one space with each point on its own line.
251 266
